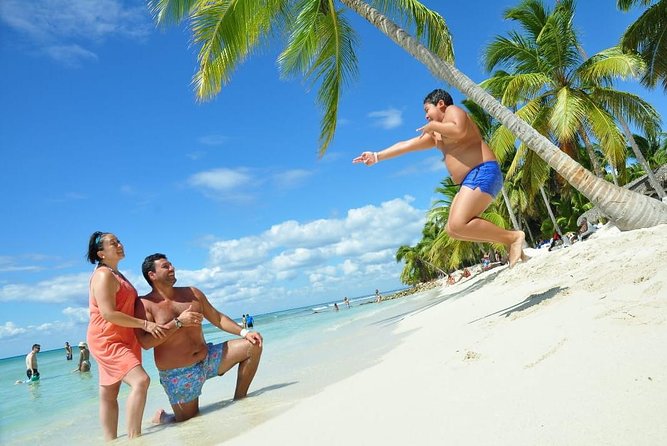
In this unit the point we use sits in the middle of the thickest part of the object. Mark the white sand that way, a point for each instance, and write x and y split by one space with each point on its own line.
567 349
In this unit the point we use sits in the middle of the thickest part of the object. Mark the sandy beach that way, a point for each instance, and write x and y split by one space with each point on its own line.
567 349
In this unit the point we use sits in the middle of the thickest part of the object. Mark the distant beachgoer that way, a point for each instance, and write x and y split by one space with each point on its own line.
111 336
84 358
585 230
68 351
346 301
336 306
251 321
378 297
451 280
244 320
555 238
470 163
31 363
184 359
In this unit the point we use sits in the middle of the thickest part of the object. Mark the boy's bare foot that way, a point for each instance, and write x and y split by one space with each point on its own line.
516 249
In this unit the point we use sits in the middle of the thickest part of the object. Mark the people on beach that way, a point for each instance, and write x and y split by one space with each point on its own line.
84 358
68 351
585 230
471 164
346 301
184 359
244 321
251 321
111 335
31 363
336 306
378 297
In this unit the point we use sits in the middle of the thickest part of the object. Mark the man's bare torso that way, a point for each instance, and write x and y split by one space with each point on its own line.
466 152
187 345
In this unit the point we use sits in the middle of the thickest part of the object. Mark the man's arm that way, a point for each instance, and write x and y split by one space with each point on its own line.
222 321
146 340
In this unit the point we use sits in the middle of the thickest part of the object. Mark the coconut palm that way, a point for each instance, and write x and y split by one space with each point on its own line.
320 44
562 94
648 37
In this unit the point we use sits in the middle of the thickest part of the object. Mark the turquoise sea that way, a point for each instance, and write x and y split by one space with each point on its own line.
304 350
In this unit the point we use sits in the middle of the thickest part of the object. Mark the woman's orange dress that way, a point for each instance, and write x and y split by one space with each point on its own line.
115 348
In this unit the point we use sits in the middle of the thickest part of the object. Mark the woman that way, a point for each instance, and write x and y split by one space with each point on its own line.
111 336
84 358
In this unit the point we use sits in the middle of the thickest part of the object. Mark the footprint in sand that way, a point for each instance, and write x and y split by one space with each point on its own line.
471 356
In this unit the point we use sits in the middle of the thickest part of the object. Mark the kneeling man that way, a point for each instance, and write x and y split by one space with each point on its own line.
184 359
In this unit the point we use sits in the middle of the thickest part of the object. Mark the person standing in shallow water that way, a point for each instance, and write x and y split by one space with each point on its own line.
111 335
68 351
471 164
31 362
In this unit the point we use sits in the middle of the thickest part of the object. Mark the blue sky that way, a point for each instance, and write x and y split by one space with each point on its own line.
100 130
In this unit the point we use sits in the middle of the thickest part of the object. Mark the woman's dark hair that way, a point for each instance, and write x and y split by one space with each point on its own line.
95 245
437 95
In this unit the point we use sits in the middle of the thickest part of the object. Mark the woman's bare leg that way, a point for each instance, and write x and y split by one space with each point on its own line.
139 381
109 410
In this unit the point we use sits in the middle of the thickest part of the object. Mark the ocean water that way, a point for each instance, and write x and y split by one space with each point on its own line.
304 351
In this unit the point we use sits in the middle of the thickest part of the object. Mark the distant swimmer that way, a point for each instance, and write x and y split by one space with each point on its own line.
68 351
346 301
31 363
84 358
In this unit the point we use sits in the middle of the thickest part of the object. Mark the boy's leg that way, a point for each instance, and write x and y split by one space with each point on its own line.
246 355
464 223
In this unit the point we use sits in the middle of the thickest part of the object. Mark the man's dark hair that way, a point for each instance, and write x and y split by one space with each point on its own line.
149 265
437 95
34 346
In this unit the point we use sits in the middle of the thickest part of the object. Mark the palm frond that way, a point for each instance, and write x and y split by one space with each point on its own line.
567 114
170 12
608 64
429 26
631 107
228 32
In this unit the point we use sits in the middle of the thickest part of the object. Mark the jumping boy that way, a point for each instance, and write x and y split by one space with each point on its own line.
470 163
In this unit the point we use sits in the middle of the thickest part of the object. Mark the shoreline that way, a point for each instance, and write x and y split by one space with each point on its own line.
564 349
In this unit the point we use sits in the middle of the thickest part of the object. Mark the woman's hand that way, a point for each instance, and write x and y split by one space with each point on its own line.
156 330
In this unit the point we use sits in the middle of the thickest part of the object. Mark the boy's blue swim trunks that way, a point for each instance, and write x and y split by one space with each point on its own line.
487 176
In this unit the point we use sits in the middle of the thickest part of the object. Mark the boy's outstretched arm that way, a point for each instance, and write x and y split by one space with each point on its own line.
422 142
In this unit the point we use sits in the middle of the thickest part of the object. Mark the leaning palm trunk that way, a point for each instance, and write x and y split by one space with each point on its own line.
627 209
591 153
551 212
655 184
508 204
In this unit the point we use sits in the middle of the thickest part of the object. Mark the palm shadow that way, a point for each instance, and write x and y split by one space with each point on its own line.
533 299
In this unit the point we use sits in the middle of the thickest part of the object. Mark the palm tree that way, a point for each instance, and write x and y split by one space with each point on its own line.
561 93
228 30
648 37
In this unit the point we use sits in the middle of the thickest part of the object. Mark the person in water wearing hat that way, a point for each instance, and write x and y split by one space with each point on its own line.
84 358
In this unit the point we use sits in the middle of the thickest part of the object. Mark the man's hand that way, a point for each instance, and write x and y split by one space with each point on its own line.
254 338
190 318
428 129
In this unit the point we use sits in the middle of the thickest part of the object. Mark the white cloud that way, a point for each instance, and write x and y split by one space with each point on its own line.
9 330
221 180
387 119
55 290
64 29
213 140
77 314
70 55
291 178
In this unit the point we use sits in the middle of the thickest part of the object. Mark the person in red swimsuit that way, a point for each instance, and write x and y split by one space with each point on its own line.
111 335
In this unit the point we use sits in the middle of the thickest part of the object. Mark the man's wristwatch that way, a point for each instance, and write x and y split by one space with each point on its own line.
178 323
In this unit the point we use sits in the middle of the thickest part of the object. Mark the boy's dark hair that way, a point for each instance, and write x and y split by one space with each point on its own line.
149 265
437 95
